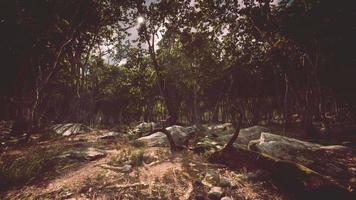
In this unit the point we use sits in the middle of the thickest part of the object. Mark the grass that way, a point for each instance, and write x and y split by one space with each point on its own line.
137 143
22 170
132 154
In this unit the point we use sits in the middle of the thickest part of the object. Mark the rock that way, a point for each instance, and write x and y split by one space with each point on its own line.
70 129
144 127
215 193
191 129
226 198
219 129
284 148
216 140
224 182
126 168
85 154
211 179
207 144
178 133
156 139
251 133
327 160
150 157
109 135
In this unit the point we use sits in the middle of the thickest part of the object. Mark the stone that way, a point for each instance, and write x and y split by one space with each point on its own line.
215 193
191 129
216 140
219 129
226 198
110 135
70 129
150 157
179 135
251 133
224 182
144 127
126 168
332 161
89 154
211 179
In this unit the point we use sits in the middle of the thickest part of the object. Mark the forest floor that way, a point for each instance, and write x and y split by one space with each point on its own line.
155 172
85 166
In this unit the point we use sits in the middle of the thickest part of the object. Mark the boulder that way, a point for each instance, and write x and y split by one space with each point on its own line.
219 129
333 161
89 154
110 135
251 133
285 148
144 127
191 129
179 135
218 141
70 129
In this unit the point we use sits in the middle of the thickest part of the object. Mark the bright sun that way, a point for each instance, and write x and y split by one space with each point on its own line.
140 20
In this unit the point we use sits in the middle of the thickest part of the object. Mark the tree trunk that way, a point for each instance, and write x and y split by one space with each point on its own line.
195 106
285 103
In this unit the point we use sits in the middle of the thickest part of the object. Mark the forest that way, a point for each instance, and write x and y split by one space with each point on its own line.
178 99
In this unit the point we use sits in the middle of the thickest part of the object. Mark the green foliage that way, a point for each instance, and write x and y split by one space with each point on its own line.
262 57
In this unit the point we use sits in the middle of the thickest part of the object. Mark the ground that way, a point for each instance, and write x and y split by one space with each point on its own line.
154 172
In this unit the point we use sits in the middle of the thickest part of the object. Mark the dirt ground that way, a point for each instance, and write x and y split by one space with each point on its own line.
156 173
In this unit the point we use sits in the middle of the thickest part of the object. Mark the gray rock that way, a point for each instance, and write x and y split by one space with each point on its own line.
251 133
285 148
84 154
327 160
110 135
191 129
178 133
211 179
215 193
126 168
144 127
219 129
150 157
70 129
226 198
224 182
219 135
